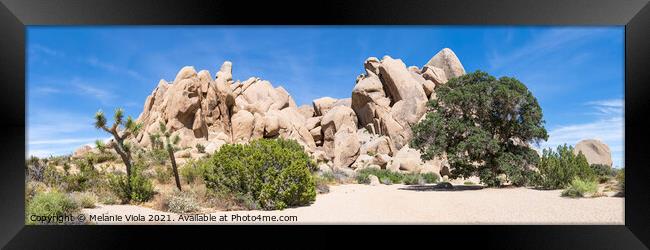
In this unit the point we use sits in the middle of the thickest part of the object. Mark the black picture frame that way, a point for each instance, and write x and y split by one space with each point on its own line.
15 15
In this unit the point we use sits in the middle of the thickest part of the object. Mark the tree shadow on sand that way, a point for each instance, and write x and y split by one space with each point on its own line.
443 188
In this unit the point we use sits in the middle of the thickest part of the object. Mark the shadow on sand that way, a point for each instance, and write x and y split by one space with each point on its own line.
441 188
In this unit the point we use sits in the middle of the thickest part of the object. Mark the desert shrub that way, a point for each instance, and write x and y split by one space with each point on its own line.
274 173
34 187
328 177
77 182
393 177
602 172
181 202
558 168
192 171
141 189
230 201
601 169
35 169
323 181
84 199
109 199
413 179
58 160
200 148
620 177
100 157
385 181
86 178
579 187
430 177
53 177
163 174
156 156
50 204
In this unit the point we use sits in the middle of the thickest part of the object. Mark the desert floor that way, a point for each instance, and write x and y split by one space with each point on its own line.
397 204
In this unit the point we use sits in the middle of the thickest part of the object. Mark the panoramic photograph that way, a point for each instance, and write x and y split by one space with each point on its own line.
465 125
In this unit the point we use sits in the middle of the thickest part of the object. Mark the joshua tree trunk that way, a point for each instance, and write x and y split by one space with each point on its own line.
126 156
173 160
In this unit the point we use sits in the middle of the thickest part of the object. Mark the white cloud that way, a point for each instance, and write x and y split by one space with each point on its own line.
47 90
62 141
38 48
103 95
540 46
113 68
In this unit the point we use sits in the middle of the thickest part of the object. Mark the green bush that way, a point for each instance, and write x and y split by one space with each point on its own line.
50 204
558 168
141 189
430 177
579 187
192 171
275 173
85 179
154 157
52 177
163 174
386 175
100 157
603 172
620 177
413 179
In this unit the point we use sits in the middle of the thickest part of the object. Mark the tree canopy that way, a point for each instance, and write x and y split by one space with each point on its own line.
484 126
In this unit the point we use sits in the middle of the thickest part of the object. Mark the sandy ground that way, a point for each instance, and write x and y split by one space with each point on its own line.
399 204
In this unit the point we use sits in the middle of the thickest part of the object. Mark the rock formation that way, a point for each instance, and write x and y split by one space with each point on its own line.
595 151
372 128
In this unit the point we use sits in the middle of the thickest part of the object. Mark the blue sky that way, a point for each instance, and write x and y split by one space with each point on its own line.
576 73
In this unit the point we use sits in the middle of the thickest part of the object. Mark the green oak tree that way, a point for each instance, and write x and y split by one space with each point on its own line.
484 126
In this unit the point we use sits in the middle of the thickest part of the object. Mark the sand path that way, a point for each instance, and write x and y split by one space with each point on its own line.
393 204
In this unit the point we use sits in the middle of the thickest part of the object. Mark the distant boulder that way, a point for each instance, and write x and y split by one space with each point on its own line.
596 151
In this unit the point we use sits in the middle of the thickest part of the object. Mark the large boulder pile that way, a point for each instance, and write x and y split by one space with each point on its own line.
595 151
372 128
212 112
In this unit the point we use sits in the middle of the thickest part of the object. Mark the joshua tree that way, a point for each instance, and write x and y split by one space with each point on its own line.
170 146
100 145
120 130
156 143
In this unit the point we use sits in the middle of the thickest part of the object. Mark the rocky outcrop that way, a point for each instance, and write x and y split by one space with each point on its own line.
389 98
216 111
340 140
595 151
447 61
371 128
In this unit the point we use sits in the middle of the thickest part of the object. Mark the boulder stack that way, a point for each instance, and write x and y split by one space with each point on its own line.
372 128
